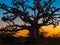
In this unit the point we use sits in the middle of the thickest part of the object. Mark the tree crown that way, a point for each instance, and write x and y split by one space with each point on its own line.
42 10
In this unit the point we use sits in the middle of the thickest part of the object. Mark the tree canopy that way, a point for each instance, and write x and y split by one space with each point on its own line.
42 10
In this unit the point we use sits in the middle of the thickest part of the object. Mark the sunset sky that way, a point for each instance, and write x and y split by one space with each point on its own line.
48 29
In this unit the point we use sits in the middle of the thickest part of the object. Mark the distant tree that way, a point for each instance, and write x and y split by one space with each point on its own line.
43 14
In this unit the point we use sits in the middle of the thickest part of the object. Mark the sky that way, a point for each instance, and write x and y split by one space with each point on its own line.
8 2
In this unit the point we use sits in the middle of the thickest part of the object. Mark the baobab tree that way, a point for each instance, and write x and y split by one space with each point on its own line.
43 14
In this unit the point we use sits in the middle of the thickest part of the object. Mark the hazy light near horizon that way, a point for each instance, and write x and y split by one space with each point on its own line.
48 31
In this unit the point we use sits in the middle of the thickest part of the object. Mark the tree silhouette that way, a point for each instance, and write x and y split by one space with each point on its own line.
43 14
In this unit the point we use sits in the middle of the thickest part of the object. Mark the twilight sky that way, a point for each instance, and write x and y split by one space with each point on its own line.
8 2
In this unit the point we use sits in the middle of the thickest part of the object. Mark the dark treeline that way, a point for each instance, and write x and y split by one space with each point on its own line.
8 39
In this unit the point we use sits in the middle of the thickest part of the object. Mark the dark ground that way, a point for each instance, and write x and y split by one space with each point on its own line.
7 39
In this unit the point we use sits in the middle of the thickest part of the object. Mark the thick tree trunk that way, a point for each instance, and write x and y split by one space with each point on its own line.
34 34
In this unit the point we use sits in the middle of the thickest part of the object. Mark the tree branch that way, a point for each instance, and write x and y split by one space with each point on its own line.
14 28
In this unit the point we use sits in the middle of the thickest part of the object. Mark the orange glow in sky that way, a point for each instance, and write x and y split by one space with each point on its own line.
49 29
22 33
